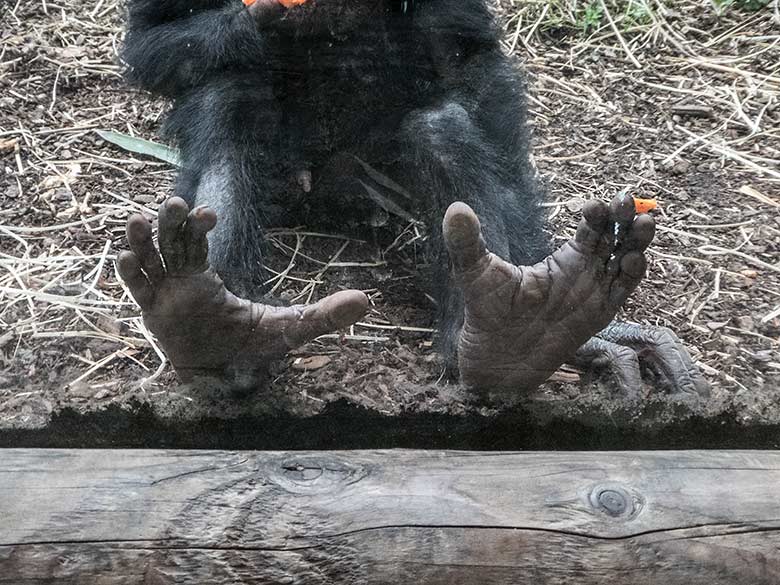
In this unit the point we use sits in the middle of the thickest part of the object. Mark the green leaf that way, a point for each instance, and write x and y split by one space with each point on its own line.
141 146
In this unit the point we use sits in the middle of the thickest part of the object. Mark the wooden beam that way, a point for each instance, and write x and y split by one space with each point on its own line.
389 517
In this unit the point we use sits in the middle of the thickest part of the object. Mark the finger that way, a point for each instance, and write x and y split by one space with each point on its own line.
621 361
463 237
668 355
200 221
632 269
139 236
129 268
337 311
173 214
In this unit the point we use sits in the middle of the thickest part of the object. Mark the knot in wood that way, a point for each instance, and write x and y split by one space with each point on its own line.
615 500
308 473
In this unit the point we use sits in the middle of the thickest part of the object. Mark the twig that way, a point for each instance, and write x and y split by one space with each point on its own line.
620 38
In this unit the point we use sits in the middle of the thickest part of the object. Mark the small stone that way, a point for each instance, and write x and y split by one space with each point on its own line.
711 344
60 195
9 145
104 393
745 323
311 363
287 295
575 205
681 167
715 325
144 199
109 324
81 390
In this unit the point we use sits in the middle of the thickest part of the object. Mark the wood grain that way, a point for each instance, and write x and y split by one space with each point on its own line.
389 517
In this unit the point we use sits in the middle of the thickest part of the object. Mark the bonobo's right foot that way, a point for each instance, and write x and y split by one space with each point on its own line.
522 323
203 327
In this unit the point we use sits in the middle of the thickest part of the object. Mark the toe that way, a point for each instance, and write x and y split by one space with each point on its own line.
623 209
593 231
334 312
129 268
139 236
463 237
642 233
173 214
632 269
200 221
344 308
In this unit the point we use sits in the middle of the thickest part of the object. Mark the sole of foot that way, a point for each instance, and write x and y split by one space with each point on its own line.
522 322
203 327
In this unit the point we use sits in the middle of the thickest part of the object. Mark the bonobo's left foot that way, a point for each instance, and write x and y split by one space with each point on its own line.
204 328
522 323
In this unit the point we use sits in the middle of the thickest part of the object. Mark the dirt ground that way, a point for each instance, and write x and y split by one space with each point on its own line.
674 100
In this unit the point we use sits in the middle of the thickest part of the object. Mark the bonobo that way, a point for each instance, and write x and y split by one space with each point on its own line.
330 110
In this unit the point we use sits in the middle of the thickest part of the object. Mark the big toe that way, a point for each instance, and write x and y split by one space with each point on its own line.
463 236
337 311
344 308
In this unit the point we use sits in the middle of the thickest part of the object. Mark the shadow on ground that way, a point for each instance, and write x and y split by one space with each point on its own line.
342 425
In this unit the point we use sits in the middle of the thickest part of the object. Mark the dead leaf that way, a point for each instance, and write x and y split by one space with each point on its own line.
756 194
67 178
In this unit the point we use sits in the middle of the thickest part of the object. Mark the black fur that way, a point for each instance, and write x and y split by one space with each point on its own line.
419 90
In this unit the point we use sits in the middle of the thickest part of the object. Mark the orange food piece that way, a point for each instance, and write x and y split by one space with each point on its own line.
645 205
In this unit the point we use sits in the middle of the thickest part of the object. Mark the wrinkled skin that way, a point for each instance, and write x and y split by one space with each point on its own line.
521 323
204 328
